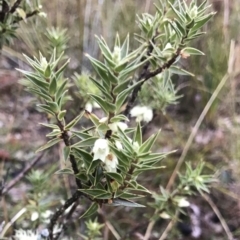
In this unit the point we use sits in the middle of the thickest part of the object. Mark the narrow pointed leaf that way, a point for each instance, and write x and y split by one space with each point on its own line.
90 211
49 144
66 152
147 145
74 121
65 171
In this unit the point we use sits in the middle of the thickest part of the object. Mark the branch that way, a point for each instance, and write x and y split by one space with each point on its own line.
141 76
146 74
15 6
60 212
13 182
28 15
73 161
64 227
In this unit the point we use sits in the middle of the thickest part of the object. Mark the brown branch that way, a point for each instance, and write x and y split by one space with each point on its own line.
72 159
147 75
69 215
13 182
61 211
15 6
28 15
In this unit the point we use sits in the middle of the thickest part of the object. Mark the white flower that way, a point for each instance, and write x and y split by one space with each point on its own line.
103 120
114 126
100 149
118 145
25 235
164 215
34 216
47 214
44 63
111 163
183 203
116 55
42 14
142 113
89 107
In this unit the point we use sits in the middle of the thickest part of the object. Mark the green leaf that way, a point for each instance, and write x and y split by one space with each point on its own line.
101 88
39 93
124 202
115 176
123 159
93 165
104 48
119 118
93 118
65 171
180 27
52 86
177 13
147 145
54 126
54 133
123 95
202 21
106 195
125 141
192 51
61 69
60 90
179 71
125 47
74 121
121 86
46 108
85 143
85 156
66 152
49 144
153 157
144 169
90 211
61 115
81 135
132 67
53 106
93 192
34 64
82 176
105 105
35 79
47 72
138 135
101 70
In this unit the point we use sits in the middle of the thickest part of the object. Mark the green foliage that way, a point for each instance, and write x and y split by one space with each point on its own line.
107 157
12 14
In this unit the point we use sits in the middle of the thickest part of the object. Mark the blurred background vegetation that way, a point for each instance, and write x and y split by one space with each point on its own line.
217 140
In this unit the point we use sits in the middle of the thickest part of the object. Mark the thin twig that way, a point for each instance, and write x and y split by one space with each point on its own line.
219 215
28 15
15 6
72 159
167 229
149 230
13 220
64 227
61 211
13 182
